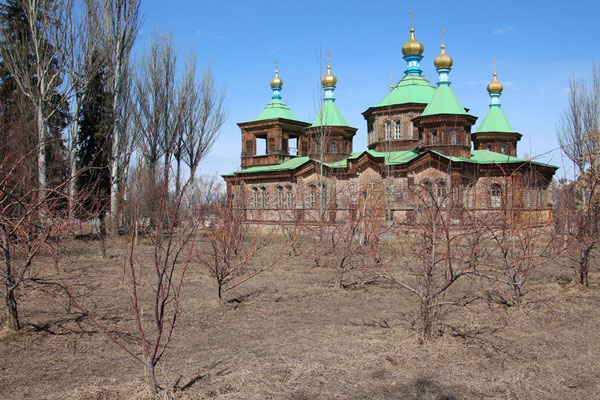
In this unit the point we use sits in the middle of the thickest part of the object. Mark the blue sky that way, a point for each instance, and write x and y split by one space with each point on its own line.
538 45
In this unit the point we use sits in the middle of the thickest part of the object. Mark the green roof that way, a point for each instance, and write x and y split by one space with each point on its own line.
491 157
330 115
275 109
393 158
390 158
444 101
292 163
411 89
495 121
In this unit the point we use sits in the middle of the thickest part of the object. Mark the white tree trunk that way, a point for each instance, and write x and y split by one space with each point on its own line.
73 164
42 180
116 143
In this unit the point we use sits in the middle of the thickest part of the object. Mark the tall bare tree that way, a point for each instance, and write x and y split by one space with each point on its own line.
578 124
579 137
37 60
205 115
81 68
120 22
155 98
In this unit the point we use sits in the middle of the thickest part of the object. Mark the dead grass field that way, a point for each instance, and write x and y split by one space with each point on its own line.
291 334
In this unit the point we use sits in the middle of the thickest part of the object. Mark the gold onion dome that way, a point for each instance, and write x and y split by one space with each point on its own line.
412 47
494 86
329 79
276 82
443 60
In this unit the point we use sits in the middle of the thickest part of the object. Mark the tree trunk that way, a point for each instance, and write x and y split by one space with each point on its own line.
41 149
178 179
151 378
220 292
426 322
116 143
114 185
73 166
12 313
584 265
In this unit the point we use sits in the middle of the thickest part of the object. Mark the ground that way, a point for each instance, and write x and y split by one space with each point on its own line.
292 334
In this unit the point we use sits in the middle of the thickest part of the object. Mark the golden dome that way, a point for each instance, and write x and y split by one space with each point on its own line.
329 79
276 82
443 60
412 46
494 86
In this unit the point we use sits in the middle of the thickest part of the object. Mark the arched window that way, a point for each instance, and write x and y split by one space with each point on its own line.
280 197
452 137
333 146
323 195
429 195
388 130
434 137
312 196
441 193
290 200
264 198
467 196
255 198
495 196
397 130
503 148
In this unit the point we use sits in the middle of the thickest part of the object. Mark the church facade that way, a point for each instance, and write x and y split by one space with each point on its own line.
420 140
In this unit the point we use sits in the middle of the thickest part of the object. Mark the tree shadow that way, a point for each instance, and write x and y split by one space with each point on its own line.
198 377
421 388
66 325
245 297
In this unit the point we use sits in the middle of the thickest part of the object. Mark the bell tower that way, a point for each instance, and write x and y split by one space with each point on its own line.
495 133
445 126
330 136
275 136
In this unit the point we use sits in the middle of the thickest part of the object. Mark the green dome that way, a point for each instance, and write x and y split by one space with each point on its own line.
444 101
495 121
330 115
411 89
276 109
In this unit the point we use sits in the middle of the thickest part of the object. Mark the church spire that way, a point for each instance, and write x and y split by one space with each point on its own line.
413 52
276 84
329 81
443 64
494 88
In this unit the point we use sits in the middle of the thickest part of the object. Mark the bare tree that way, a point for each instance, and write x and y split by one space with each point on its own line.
428 256
84 63
579 123
205 114
579 136
185 97
120 22
154 283
37 59
578 219
155 97
516 243
232 246
22 234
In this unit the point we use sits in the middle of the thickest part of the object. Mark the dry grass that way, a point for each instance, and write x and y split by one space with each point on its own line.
290 334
